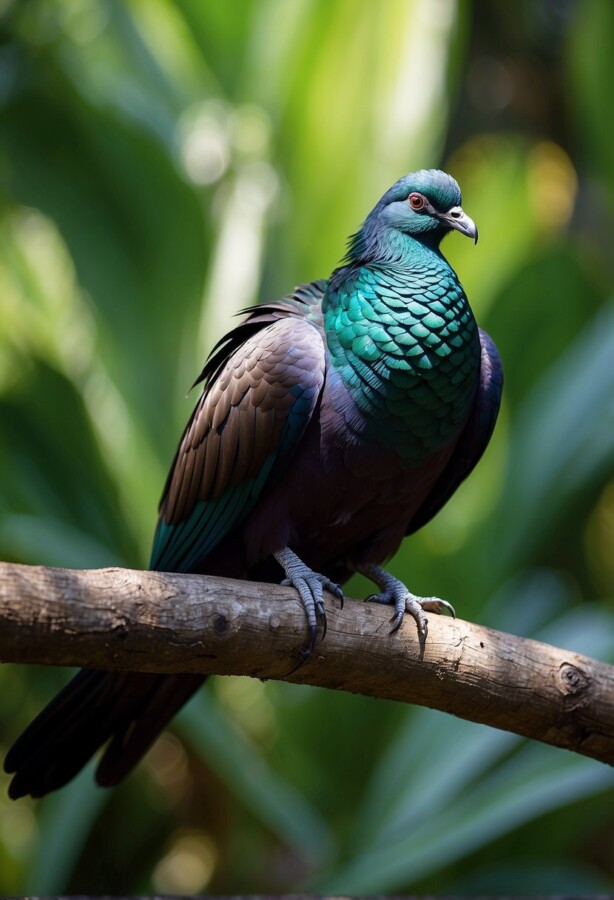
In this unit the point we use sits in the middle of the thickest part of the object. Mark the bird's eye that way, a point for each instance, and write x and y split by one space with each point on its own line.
416 201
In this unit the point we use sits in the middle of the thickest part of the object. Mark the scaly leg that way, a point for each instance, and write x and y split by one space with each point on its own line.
310 586
395 593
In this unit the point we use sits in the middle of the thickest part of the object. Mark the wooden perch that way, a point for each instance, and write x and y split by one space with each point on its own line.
157 622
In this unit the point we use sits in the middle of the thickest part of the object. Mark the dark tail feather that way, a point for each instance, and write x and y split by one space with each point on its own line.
130 708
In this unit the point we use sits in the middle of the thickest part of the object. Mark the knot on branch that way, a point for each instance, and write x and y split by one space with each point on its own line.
575 684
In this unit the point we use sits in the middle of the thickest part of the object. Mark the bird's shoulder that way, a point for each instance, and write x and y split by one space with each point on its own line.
260 386
303 304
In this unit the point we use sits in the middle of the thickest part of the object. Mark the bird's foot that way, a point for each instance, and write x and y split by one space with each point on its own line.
310 586
396 594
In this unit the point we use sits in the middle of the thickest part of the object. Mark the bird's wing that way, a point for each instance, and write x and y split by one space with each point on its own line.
474 437
260 392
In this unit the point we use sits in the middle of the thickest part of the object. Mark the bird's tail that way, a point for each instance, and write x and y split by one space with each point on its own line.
127 709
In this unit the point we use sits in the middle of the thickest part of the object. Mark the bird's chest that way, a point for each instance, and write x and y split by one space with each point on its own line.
403 369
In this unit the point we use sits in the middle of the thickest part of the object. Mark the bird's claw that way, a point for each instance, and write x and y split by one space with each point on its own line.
337 591
395 593
310 586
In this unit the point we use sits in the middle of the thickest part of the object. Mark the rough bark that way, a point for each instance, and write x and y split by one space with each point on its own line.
157 622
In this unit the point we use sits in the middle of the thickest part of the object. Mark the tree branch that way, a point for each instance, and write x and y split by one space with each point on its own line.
157 622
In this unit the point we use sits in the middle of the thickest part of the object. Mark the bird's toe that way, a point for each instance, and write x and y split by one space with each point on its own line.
310 586
395 593
436 605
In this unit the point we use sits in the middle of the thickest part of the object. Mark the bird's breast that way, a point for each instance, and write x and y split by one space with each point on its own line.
404 362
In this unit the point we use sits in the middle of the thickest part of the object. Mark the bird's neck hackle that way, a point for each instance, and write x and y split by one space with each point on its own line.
379 244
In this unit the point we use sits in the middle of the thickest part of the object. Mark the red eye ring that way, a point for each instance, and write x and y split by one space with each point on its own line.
416 201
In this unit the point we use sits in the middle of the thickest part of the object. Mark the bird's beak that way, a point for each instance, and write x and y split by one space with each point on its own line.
457 219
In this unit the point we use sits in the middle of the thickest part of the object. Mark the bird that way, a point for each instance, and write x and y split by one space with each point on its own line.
332 423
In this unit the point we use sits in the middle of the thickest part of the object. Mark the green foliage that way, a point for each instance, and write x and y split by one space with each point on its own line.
164 164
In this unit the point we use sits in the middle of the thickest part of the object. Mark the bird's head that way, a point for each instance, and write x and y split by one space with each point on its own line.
424 205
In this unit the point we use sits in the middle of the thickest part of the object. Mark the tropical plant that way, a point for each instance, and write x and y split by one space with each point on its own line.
166 163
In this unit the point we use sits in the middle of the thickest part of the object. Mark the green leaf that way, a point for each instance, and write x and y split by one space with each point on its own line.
534 781
563 439
246 774
66 819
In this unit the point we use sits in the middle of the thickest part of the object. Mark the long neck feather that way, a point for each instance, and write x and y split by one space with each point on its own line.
375 243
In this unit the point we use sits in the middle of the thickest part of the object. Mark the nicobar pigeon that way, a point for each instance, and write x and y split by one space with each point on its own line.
331 424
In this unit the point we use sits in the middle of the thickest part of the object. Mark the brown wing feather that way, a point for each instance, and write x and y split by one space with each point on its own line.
240 418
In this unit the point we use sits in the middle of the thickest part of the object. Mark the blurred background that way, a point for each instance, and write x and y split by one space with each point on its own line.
164 163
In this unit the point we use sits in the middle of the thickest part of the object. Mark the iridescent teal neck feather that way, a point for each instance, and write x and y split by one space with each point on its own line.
399 328
391 230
